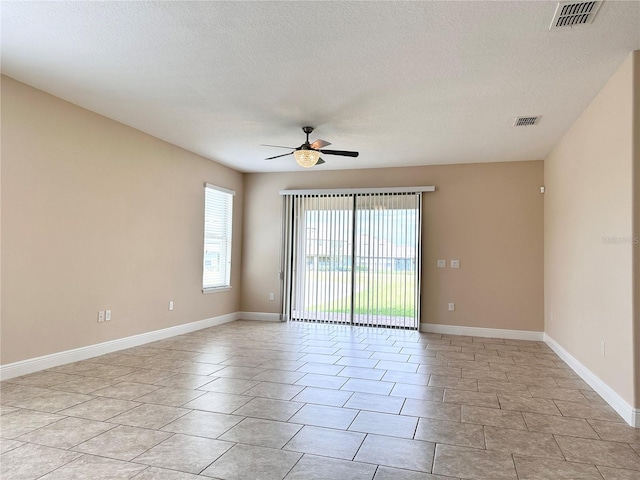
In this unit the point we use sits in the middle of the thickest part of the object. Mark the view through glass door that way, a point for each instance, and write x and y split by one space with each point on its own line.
356 259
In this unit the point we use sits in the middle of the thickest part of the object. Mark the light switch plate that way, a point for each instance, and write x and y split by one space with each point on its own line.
455 263
442 264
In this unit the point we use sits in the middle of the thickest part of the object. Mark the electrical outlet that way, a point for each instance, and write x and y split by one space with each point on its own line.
442 264
101 316
602 347
107 315
171 305
452 307
455 263
272 296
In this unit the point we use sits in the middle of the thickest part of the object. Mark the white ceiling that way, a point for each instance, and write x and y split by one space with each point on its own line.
405 83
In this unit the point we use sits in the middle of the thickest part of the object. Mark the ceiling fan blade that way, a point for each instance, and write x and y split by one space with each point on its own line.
277 146
344 153
318 144
320 162
278 156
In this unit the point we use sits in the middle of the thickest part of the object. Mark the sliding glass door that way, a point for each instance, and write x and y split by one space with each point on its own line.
386 271
353 259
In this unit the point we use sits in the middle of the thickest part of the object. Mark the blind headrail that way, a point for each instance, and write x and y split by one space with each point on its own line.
347 191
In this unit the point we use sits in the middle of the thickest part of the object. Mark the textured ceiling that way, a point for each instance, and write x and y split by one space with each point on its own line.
405 83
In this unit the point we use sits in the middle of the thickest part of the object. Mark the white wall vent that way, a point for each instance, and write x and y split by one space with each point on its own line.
571 14
526 121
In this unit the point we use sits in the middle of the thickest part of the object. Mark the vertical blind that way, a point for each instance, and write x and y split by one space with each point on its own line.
353 258
323 258
218 219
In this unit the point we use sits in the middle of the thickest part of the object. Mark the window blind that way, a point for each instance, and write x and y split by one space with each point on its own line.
218 219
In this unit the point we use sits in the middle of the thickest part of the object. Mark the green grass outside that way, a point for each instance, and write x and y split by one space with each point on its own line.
390 294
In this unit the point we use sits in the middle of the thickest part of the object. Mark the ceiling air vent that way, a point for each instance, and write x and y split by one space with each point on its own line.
526 121
571 14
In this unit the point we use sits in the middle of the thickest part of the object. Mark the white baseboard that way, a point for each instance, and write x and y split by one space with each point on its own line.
31 365
627 412
482 332
262 316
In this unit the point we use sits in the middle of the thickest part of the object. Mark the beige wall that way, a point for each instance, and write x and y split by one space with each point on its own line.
589 199
489 216
95 216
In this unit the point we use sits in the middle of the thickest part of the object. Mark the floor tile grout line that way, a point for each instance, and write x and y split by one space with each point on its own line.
515 468
555 440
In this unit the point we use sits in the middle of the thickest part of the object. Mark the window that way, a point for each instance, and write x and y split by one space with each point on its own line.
218 215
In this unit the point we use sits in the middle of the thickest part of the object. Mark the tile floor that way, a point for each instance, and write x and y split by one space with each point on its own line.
257 400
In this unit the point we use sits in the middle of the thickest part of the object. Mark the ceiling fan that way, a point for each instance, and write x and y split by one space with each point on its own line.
308 154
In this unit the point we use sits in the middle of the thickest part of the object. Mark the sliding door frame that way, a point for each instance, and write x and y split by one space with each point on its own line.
289 226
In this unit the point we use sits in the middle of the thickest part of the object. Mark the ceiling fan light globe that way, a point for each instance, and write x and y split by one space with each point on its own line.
306 158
